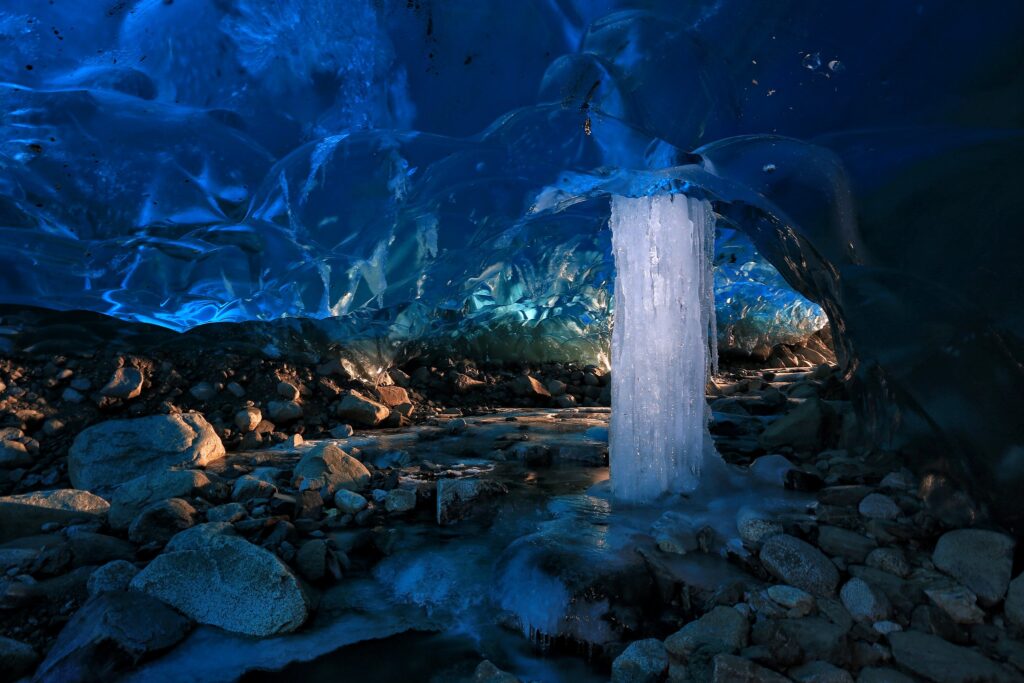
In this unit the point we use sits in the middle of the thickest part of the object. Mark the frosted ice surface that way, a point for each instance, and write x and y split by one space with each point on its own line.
661 344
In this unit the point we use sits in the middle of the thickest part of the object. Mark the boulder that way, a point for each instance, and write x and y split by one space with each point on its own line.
133 496
349 502
393 396
463 384
283 412
124 383
878 506
644 661
400 500
1014 606
360 410
109 636
113 576
981 560
799 564
160 521
940 661
13 454
225 581
331 468
820 672
116 451
722 630
247 419
844 543
864 602
525 385
25 513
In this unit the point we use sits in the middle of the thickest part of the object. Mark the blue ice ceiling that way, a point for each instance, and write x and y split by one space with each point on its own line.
441 170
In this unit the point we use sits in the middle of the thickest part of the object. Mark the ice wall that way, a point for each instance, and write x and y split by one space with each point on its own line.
663 344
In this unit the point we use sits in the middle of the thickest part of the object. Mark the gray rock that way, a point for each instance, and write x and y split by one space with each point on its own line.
981 560
24 514
456 497
820 672
116 451
799 603
525 385
283 412
644 661
230 583
754 526
864 602
248 487
109 636
72 396
229 512
400 500
845 543
133 496
247 419
556 387
161 520
349 502
890 560
360 410
124 383
722 630
801 428
771 469
342 431
727 668
332 468
199 536
1014 605
816 637
16 658
878 506
113 576
957 602
91 549
799 564
940 661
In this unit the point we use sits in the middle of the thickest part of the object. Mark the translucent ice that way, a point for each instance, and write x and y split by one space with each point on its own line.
662 344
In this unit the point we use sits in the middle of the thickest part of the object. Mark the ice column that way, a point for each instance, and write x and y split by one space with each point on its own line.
663 344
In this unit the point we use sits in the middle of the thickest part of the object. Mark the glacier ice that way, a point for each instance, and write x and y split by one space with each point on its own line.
438 174
663 345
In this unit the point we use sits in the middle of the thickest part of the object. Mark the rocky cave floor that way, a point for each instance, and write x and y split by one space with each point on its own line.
150 495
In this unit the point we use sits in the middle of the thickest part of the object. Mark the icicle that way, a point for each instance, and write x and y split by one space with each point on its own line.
663 344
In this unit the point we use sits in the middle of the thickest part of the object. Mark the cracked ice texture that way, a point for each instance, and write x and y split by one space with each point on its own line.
662 344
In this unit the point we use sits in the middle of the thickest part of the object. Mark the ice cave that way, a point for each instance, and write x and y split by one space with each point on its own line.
467 341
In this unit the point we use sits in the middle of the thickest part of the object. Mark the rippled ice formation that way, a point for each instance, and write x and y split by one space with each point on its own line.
439 173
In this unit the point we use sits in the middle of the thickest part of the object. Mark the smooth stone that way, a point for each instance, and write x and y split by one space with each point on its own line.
124 383
722 630
981 560
864 602
525 385
247 487
799 564
349 502
845 543
311 560
247 419
228 512
360 410
333 468
133 496
393 396
113 576
771 469
24 514
792 598
204 391
891 560
283 412
117 451
958 603
161 520
754 526
227 582
882 675
109 636
486 672
878 506
644 661
14 454
943 662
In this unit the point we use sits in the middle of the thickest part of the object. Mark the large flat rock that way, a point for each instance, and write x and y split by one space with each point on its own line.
24 514
113 452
